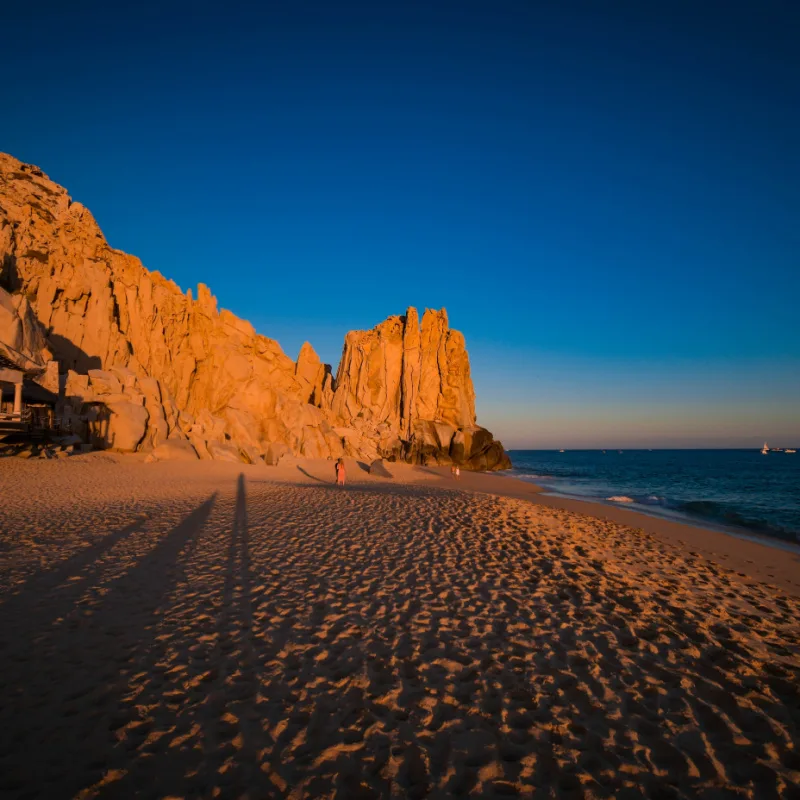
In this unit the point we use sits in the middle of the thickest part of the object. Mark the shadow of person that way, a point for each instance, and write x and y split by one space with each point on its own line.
234 693
313 477
43 597
107 651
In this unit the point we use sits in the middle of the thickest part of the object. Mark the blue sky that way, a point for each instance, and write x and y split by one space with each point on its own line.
605 196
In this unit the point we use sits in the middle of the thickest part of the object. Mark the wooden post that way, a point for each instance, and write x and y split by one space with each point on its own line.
18 399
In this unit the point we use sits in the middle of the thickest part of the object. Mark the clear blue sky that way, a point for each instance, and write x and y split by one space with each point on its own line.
604 195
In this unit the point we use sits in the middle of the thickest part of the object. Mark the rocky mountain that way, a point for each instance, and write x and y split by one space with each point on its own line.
138 363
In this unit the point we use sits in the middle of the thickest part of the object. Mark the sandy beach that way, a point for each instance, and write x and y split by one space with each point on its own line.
221 630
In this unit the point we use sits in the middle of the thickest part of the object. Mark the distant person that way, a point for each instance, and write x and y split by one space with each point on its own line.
340 472
455 472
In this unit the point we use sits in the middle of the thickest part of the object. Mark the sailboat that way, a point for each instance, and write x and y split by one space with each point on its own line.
765 449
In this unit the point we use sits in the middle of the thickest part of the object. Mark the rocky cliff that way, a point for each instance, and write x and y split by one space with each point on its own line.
141 363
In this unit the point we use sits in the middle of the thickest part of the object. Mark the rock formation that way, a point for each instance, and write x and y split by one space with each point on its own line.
141 363
21 331
406 388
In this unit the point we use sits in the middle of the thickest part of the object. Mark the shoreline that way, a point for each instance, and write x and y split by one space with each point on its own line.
770 561
734 490
671 515
658 512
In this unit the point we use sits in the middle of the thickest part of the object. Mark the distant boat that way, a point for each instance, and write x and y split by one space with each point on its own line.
765 449
787 450
560 451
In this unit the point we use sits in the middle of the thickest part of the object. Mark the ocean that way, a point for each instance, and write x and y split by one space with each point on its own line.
738 490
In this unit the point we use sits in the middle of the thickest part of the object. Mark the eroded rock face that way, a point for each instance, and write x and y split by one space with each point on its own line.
124 336
20 330
202 370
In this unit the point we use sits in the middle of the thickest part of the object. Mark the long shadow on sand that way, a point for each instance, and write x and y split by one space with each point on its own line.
229 728
313 477
198 683
429 471
63 584
51 747
366 642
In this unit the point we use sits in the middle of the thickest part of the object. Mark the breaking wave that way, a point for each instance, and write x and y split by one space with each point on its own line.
719 513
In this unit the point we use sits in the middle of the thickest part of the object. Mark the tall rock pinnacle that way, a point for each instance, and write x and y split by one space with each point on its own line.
409 386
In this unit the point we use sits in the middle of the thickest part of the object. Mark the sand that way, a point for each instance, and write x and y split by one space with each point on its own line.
770 561
215 630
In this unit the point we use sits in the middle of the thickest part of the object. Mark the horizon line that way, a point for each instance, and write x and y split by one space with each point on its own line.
637 449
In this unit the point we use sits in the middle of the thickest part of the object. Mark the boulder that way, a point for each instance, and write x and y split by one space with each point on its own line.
104 382
491 458
251 454
475 448
459 448
174 450
274 452
444 435
423 446
76 385
378 468
224 451
120 426
479 440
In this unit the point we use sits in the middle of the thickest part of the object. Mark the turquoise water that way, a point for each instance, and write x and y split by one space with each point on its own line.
740 489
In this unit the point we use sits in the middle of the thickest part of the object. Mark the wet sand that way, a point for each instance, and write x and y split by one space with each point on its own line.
216 630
